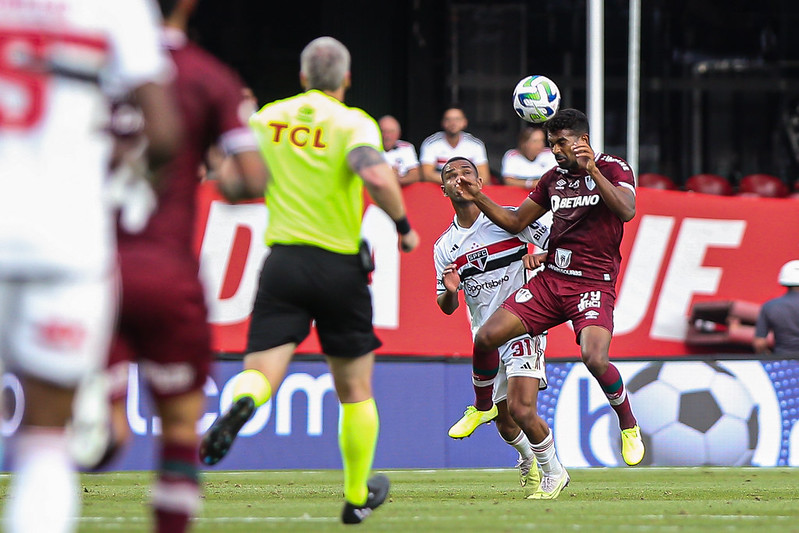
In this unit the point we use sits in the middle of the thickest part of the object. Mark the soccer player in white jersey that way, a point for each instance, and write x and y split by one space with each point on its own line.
59 60
399 154
476 255
524 165
452 141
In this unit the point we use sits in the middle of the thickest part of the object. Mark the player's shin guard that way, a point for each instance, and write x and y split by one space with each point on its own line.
485 366
44 490
357 439
613 387
176 494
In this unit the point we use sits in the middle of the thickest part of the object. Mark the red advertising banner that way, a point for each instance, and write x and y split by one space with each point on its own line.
680 249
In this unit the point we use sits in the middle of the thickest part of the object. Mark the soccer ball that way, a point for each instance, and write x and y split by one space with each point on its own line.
693 414
536 99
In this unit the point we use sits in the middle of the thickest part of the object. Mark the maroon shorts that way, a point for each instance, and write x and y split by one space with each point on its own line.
163 323
550 299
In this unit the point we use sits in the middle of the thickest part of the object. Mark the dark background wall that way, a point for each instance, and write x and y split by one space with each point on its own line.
719 79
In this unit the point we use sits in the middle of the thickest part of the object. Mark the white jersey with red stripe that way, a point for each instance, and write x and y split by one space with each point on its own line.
516 165
488 260
436 150
402 157
59 62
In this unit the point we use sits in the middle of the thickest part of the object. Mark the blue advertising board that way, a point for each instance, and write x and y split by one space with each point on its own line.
691 413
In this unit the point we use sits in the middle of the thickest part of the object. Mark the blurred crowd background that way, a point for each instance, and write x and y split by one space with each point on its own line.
719 79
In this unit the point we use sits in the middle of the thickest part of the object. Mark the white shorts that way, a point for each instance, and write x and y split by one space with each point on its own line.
522 356
57 330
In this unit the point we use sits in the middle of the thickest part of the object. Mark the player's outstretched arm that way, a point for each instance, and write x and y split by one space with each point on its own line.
512 221
384 189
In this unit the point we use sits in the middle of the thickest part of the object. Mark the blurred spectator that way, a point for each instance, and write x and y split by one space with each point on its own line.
524 165
452 141
399 154
780 316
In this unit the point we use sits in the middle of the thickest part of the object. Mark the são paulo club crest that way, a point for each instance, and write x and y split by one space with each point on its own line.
478 259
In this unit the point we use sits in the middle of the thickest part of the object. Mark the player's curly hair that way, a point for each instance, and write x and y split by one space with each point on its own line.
568 119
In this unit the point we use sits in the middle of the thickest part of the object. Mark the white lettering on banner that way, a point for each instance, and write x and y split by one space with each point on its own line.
220 230
381 233
641 274
314 389
686 276
216 252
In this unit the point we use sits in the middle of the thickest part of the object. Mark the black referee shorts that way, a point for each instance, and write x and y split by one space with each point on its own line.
303 283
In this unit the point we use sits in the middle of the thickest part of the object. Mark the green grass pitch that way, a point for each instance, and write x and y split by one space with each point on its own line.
598 499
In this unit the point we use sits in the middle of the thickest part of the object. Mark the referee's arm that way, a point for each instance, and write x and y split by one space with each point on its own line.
384 189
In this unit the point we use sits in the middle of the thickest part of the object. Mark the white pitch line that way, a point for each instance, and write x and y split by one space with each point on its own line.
389 470
718 516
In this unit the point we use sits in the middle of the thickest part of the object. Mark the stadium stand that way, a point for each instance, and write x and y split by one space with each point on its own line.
652 180
762 186
709 184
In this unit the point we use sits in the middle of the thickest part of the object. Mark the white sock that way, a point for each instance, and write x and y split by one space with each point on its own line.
44 493
547 458
522 444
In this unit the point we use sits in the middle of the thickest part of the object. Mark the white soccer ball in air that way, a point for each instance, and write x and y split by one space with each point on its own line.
536 99
693 414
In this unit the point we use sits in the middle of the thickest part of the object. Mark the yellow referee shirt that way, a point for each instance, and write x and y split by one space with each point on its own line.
313 197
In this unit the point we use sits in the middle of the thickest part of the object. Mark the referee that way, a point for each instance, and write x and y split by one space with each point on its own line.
320 153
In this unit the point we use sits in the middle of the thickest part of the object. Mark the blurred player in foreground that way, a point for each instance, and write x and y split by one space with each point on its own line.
319 153
163 319
59 63
486 261
591 196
